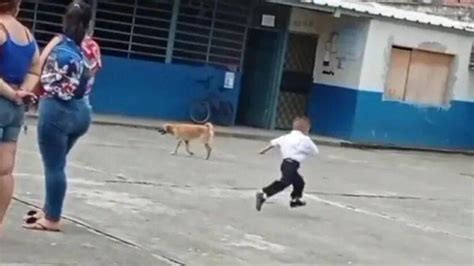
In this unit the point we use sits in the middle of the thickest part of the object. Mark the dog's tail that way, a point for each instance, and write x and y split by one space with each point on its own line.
210 127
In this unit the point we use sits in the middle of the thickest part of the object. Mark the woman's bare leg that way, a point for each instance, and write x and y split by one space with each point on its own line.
7 162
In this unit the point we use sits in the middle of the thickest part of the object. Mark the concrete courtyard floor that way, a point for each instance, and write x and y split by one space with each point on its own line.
131 203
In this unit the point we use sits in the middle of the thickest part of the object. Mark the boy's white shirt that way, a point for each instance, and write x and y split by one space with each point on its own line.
296 146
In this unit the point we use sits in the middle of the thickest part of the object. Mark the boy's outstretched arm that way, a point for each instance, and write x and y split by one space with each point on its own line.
274 143
266 149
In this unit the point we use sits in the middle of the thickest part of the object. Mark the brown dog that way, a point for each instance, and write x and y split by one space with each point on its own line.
185 133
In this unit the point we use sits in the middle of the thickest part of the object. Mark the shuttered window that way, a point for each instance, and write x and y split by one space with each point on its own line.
418 76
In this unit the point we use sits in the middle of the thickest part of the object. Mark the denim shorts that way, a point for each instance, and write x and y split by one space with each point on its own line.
12 117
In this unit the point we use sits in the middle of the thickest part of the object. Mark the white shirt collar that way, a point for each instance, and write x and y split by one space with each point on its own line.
297 132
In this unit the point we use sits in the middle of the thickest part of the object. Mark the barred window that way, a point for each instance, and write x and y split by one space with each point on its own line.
207 31
471 63
134 28
43 17
230 28
193 31
211 32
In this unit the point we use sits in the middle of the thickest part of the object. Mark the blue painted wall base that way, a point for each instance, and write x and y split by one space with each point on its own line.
362 116
155 90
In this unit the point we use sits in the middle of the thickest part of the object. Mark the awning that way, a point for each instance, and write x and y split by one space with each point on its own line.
377 10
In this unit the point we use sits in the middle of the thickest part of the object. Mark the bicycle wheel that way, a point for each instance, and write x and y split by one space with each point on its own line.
200 112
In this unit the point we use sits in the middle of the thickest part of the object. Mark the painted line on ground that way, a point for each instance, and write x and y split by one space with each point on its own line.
309 195
424 228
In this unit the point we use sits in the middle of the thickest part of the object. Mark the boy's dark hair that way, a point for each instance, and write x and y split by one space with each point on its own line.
76 20
301 123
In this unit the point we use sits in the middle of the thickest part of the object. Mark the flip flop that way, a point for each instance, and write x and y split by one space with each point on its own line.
33 213
40 227
31 220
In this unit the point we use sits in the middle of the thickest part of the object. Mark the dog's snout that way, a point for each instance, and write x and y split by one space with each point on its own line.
162 130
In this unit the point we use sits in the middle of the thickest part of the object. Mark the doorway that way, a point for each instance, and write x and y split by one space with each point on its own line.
297 79
260 81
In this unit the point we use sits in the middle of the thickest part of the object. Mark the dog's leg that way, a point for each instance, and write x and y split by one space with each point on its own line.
177 147
187 148
209 150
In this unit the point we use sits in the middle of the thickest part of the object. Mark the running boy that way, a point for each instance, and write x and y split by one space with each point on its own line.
295 147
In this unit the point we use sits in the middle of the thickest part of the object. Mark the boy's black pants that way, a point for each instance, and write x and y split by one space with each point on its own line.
290 176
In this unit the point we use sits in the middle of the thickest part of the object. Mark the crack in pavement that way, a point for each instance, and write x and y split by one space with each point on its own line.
467 175
124 180
349 195
110 236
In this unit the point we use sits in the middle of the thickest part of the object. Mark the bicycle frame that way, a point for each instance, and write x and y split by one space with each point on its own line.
212 99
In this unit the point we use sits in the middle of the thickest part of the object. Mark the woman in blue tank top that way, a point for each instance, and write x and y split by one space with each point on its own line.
19 72
64 115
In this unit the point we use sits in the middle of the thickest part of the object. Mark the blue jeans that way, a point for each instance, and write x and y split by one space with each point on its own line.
88 102
11 120
60 125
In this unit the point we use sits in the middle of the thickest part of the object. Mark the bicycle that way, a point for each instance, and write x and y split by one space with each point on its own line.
211 107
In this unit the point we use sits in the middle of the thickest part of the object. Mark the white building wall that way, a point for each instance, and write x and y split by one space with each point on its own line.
360 56
383 34
346 52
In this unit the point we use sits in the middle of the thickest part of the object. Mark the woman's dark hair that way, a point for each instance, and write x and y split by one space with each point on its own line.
76 20
8 6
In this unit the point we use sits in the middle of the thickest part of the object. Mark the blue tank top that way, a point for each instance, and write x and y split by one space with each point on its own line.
15 60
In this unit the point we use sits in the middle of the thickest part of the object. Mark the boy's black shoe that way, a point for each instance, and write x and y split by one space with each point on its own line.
297 203
260 198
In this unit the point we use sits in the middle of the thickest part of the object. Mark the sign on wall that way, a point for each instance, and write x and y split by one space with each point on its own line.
229 80
304 21
268 20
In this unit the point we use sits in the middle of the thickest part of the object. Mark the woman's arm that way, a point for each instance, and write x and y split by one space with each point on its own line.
31 83
32 78
17 96
47 50
7 91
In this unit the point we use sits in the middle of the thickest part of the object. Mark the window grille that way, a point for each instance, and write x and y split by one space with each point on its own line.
43 17
471 63
207 31
211 32
133 28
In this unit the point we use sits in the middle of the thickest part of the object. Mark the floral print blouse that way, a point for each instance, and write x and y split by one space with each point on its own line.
65 74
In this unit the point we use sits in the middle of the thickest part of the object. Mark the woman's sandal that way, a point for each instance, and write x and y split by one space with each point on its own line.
32 222
40 227
38 214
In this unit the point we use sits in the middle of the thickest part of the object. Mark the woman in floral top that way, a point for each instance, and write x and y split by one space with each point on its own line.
63 113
